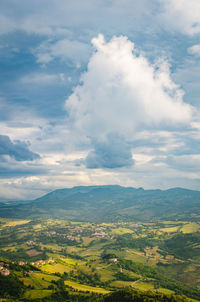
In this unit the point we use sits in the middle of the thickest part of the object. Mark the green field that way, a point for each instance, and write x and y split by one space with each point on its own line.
122 231
170 230
37 293
82 287
99 258
119 284
143 285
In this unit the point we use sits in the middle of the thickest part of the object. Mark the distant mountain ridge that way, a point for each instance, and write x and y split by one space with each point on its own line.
110 203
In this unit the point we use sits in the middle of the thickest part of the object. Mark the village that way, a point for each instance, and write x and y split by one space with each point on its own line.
4 269
108 255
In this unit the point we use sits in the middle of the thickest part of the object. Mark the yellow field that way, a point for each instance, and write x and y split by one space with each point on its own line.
13 223
56 268
165 291
121 231
143 286
190 228
9 248
37 227
72 262
170 230
82 287
121 283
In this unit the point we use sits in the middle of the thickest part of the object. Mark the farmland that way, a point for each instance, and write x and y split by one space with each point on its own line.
100 258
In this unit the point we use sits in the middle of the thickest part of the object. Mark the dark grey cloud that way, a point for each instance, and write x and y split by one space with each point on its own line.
15 169
111 152
18 150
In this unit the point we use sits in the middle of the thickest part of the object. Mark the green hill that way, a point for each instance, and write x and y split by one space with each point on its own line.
110 203
26 282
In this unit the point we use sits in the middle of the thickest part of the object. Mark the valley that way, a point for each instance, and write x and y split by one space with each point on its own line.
50 256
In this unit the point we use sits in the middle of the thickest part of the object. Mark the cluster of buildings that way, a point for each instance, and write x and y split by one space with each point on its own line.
31 242
4 271
37 263
69 237
101 233
42 262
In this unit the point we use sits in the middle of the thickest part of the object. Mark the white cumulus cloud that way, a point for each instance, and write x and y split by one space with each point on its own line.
122 93
194 50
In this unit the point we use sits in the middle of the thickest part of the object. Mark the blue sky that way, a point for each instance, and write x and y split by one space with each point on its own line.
98 92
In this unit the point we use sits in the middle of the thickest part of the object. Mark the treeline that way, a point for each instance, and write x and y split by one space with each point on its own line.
56 239
127 241
139 296
79 276
11 287
20 254
126 295
183 246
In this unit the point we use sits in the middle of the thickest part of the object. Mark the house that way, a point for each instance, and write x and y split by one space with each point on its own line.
21 263
50 261
114 260
39 262
5 272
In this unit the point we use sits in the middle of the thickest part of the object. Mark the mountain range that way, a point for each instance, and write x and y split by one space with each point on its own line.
109 203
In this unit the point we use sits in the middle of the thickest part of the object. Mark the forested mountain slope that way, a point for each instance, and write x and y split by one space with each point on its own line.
110 203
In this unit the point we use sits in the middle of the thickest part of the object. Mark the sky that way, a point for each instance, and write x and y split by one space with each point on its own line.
98 92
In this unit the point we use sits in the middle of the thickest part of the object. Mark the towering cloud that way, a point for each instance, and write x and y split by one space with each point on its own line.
121 93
